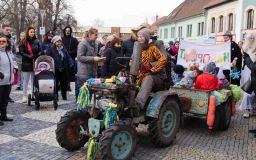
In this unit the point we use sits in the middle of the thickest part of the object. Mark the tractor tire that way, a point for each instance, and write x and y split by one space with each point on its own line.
68 130
164 129
218 112
118 142
226 114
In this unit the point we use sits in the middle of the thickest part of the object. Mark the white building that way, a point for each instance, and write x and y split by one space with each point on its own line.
207 20
187 22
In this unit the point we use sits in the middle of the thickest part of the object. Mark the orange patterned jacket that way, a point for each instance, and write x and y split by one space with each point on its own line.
149 56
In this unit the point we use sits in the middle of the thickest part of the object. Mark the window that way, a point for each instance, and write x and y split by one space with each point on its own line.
161 34
213 25
200 30
230 22
221 24
250 16
189 30
165 33
173 32
180 32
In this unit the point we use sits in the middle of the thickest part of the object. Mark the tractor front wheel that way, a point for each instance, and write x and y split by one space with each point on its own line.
118 142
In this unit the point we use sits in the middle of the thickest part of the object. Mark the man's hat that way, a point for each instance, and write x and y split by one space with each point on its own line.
227 33
141 26
50 33
170 43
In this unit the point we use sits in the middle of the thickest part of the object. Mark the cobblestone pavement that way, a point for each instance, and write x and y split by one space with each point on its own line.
31 136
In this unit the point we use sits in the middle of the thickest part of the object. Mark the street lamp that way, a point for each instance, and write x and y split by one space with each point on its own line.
42 30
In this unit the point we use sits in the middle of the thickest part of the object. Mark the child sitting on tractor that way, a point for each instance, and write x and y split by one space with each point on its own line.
208 79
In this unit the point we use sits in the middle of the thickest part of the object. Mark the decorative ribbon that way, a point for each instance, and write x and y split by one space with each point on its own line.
110 115
92 149
83 99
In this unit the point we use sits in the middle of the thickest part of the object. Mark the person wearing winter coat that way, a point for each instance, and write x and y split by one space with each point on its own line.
110 66
19 61
47 43
6 76
174 52
7 29
30 49
127 46
151 73
87 59
236 59
62 62
70 43
208 79
250 62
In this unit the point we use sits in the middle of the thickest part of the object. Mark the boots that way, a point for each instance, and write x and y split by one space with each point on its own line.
64 96
4 116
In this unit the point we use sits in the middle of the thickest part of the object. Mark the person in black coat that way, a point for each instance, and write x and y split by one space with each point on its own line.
236 59
30 49
111 66
63 62
127 46
70 43
252 66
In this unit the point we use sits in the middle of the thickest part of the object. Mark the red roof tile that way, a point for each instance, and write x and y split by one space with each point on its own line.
187 8
214 3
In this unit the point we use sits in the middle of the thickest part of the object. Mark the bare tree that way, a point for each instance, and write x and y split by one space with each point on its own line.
23 13
98 22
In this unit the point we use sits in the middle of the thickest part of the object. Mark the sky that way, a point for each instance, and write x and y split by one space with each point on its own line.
121 13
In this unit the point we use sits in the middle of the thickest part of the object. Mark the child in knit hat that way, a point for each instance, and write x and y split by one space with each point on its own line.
208 79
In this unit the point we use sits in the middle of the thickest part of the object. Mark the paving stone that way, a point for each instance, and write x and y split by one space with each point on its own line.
22 126
45 114
32 136
6 138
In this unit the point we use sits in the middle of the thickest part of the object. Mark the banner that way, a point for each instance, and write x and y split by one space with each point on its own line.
201 54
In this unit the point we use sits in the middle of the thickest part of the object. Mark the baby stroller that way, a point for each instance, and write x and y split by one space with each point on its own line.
44 85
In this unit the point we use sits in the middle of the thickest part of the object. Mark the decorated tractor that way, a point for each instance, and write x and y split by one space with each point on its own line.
215 107
108 124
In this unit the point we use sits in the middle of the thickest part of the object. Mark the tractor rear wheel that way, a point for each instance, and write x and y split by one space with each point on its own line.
163 130
69 132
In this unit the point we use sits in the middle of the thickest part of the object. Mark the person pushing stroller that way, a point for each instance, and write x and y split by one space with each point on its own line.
63 63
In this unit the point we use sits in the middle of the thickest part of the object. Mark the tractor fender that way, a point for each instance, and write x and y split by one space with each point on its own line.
156 102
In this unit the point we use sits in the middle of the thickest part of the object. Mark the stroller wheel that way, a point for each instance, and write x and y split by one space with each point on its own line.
29 99
55 104
37 105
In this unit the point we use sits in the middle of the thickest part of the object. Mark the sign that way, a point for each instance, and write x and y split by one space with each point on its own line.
201 54
42 31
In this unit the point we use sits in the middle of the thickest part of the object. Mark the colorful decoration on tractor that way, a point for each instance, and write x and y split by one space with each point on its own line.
110 115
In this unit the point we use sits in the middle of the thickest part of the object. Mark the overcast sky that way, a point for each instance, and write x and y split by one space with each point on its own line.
123 13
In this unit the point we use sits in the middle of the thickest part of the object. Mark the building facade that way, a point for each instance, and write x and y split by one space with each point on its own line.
209 20
236 16
185 22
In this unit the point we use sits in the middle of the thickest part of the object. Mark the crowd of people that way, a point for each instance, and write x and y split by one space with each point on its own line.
78 61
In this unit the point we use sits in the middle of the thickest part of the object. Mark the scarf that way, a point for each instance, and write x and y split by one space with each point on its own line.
175 50
59 49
